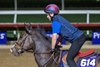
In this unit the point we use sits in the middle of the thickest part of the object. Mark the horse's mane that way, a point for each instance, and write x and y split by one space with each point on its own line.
42 31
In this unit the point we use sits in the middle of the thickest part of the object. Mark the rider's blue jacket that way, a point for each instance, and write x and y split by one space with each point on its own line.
64 28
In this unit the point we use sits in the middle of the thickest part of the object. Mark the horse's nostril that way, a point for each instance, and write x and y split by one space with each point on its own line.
14 51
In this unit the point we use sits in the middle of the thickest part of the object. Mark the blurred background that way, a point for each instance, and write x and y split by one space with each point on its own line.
76 11
31 11
27 11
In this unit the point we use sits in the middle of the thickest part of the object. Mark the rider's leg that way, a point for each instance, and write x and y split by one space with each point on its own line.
74 49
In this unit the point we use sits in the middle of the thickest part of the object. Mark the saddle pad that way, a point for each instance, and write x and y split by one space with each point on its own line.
88 61
83 54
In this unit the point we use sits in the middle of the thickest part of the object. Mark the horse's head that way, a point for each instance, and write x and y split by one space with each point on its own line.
24 42
36 40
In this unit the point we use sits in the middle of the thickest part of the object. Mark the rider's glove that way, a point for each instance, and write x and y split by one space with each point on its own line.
52 50
58 47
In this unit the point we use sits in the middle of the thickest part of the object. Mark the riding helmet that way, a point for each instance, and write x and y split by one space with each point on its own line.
51 8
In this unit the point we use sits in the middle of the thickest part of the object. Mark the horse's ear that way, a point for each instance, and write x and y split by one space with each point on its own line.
27 28
30 26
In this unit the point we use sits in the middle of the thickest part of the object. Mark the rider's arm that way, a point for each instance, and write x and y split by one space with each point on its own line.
55 29
54 40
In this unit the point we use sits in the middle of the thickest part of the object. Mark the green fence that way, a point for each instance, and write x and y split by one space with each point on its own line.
73 18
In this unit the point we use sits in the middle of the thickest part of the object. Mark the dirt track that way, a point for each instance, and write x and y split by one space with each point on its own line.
26 60
8 60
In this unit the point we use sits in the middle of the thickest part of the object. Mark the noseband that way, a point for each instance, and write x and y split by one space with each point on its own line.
19 47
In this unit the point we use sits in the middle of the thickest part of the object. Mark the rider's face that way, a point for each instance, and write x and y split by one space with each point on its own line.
49 16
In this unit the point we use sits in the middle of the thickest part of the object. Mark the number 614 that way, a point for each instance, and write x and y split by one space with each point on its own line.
88 62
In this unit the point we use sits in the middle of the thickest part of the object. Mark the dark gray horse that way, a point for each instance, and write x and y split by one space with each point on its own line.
36 40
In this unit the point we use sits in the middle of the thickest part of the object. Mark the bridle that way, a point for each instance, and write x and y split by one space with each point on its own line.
19 47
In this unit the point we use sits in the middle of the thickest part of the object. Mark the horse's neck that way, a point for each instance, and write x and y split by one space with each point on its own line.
41 43
41 46
42 32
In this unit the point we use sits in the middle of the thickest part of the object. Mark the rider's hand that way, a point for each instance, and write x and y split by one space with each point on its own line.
58 47
52 51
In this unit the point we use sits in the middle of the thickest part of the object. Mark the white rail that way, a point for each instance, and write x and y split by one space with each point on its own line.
42 12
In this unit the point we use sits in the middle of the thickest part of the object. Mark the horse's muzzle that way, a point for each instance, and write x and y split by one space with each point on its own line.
14 51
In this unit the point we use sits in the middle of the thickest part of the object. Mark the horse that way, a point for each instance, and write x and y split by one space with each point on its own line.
36 40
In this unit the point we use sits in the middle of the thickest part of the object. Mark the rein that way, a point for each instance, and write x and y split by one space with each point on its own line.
18 46
47 52
52 56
